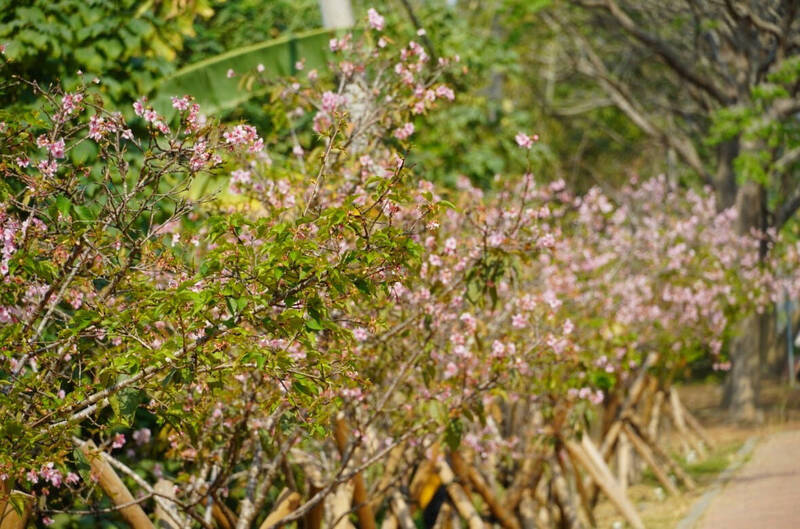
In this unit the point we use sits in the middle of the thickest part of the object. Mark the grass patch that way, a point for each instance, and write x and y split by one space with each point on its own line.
715 462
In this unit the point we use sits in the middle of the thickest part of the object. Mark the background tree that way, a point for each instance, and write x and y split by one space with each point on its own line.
723 100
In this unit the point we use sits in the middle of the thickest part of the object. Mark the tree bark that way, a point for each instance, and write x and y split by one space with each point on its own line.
742 388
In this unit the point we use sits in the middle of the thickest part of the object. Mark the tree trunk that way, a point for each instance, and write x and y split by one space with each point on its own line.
742 387
725 176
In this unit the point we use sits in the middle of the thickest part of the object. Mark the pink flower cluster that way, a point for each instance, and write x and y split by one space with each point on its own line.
244 136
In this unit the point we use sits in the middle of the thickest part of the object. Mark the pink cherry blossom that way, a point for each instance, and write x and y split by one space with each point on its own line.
376 21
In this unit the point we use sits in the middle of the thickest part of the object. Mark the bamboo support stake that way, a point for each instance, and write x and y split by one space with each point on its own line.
389 471
506 518
444 517
460 499
313 518
365 516
338 505
286 503
695 425
401 511
583 493
655 415
610 439
223 516
675 467
634 394
648 457
527 511
527 477
569 511
389 521
623 460
167 516
10 518
113 486
593 463
680 423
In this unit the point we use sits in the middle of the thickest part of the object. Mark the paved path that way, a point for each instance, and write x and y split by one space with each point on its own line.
764 493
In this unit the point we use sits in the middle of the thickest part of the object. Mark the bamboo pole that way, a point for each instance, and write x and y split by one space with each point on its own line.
623 460
365 516
655 415
648 457
569 511
113 486
390 522
527 511
10 518
167 516
634 394
313 518
444 517
583 493
338 506
460 499
589 458
527 477
675 467
401 511
384 483
286 503
470 474
677 418
694 424
223 516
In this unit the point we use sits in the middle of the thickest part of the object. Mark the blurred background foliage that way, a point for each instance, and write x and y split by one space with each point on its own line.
511 76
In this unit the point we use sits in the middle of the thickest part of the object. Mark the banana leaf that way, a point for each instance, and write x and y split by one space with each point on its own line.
208 80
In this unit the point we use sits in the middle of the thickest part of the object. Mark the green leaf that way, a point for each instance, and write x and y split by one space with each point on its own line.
453 433
63 205
208 81
314 324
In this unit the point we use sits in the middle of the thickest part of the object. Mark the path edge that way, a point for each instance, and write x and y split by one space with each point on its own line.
701 505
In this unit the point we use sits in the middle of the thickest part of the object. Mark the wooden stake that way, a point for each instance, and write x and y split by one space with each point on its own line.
648 457
167 516
469 473
675 467
623 461
569 510
582 492
113 486
389 471
389 521
366 518
444 517
401 511
225 518
589 458
695 425
527 511
313 477
680 423
634 394
10 518
338 507
460 499
527 477
655 415
286 503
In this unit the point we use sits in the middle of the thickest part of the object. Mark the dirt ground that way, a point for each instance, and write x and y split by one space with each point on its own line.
780 406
